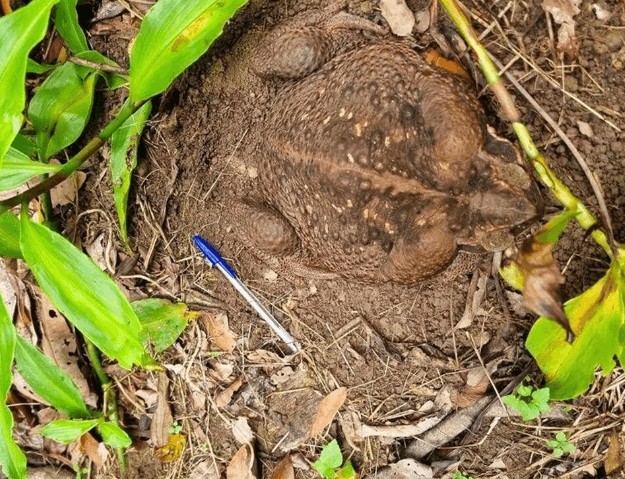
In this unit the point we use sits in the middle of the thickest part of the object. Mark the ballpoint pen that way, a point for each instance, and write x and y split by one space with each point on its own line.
215 260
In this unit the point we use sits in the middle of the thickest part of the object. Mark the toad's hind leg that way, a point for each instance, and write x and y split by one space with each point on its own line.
266 229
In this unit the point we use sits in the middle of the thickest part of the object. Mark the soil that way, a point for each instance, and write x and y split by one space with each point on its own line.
393 347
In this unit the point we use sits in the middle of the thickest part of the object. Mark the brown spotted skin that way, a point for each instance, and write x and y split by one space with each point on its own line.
378 167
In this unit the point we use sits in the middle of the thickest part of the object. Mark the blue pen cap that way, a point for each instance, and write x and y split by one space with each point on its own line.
211 254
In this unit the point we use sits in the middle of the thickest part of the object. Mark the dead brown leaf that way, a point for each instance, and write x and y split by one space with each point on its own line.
217 328
243 464
328 408
399 17
563 12
284 470
541 289
225 396
66 192
241 431
163 418
95 450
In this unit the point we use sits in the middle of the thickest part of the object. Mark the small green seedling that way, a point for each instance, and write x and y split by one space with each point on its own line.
175 428
560 445
460 475
330 463
528 401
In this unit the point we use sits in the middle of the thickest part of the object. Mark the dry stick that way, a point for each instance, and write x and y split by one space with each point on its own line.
98 66
6 6
560 191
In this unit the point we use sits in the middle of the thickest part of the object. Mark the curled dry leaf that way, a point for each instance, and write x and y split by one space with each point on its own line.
542 280
243 464
328 408
225 396
220 334
399 17
563 12
284 470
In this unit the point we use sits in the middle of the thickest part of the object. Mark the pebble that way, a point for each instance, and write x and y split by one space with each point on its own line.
614 40
571 84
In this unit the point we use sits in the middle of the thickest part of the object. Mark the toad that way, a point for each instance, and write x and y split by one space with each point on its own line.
375 165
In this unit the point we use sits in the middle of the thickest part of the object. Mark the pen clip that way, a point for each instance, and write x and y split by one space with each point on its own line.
211 254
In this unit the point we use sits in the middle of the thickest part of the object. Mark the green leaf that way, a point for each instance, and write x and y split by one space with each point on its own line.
84 294
162 321
113 435
124 143
68 430
550 232
48 380
61 107
33 67
25 145
20 31
10 235
329 460
540 397
347 471
12 459
66 23
173 35
595 316
17 169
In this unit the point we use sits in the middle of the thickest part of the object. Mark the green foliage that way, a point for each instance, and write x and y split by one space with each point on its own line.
85 295
17 169
12 459
67 431
19 33
175 428
173 35
560 445
66 23
162 321
113 435
61 107
330 463
528 402
10 236
124 144
460 475
595 317
48 380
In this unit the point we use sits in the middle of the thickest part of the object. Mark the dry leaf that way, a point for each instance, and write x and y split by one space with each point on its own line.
563 12
172 451
242 465
65 192
541 289
94 449
59 344
100 252
328 408
219 331
585 129
405 469
600 12
399 17
224 397
614 458
7 292
284 470
205 470
163 418
242 431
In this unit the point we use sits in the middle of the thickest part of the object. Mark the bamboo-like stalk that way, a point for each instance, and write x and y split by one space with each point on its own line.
558 189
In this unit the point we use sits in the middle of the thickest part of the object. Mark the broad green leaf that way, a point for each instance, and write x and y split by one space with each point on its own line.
10 235
68 430
48 380
162 321
596 316
33 67
12 459
20 31
66 22
329 460
173 35
124 143
17 169
113 435
61 107
84 294
25 145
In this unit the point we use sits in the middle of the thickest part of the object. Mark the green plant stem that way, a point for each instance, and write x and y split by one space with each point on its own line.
76 161
110 406
560 191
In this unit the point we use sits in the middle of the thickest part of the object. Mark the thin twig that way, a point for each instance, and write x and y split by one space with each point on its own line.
6 6
98 66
